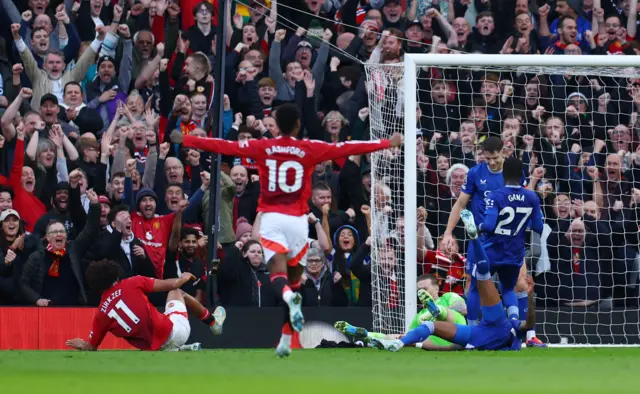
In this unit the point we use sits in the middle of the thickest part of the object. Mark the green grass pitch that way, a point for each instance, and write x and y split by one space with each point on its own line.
325 371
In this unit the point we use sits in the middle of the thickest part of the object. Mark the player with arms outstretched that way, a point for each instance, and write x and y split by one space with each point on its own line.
125 311
494 332
481 180
510 210
449 304
285 167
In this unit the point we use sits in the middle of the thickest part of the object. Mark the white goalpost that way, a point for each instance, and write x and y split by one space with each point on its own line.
590 298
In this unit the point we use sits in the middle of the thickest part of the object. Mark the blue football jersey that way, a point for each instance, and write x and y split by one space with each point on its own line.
510 210
480 181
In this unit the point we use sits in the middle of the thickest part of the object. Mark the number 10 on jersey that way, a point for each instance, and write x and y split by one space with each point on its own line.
278 176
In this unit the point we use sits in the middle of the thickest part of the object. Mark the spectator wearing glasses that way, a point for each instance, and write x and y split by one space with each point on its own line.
53 275
321 287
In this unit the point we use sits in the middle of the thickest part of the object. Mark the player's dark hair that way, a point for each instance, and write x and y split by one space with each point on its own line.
512 171
288 119
492 145
430 277
111 216
187 231
101 275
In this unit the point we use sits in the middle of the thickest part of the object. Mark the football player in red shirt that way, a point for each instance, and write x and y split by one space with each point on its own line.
125 311
285 166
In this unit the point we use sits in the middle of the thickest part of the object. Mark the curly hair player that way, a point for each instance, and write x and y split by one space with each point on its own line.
494 331
285 166
125 311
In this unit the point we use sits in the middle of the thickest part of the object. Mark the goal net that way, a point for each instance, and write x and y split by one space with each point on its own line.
574 117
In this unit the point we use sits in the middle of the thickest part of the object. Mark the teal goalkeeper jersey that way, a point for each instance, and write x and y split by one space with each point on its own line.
447 300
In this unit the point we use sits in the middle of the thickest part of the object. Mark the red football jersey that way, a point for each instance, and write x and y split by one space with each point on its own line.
285 165
125 311
154 235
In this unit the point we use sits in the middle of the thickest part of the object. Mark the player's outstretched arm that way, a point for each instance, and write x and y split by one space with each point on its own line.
454 218
80 344
349 148
215 145
162 285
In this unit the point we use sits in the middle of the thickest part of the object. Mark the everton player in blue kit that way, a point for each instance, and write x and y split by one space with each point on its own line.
510 210
482 179
494 332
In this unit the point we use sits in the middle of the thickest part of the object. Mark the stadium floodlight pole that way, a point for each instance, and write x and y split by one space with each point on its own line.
410 191
214 187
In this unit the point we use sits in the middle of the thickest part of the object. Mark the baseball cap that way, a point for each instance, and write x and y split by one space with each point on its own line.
49 97
387 2
414 23
8 212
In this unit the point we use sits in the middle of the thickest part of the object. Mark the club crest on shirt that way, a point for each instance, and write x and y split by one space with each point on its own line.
156 225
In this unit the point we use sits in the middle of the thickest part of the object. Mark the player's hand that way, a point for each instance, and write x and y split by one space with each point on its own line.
43 302
138 251
77 343
187 276
336 277
396 140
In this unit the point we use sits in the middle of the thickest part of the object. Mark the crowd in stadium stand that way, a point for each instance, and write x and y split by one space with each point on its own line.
92 89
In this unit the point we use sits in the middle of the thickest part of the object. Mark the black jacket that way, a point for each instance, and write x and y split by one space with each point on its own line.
10 273
36 269
237 280
108 247
329 293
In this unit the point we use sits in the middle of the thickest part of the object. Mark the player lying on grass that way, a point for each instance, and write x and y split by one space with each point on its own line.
125 311
494 332
450 304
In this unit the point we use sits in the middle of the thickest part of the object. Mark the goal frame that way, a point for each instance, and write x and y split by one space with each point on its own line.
410 83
